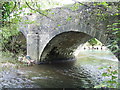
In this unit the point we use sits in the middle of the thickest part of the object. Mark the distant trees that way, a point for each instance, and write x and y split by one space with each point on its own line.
93 41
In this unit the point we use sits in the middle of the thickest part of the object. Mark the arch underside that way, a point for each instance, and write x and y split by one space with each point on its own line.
62 46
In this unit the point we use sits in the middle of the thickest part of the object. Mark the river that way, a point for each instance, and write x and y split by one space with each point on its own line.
80 73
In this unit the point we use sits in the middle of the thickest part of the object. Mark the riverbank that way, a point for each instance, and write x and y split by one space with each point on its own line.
11 75
82 73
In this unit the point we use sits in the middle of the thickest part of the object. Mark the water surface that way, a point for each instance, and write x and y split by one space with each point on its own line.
80 73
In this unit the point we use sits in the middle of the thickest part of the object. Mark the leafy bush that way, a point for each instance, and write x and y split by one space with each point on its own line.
112 75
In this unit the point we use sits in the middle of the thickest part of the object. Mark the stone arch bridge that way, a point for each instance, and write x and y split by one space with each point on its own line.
57 35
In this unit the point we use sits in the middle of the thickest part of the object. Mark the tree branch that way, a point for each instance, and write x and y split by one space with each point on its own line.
13 7
81 3
37 11
96 7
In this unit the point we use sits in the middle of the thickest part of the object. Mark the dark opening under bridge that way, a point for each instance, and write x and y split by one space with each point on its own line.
57 35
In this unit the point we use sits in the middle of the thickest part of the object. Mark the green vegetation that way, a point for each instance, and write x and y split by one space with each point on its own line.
112 78
75 7
114 30
103 11
93 42
12 40
69 18
12 13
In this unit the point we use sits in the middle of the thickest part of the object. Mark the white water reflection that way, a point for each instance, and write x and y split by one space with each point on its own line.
99 52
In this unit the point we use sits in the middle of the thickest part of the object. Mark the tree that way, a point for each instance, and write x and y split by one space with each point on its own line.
12 13
93 42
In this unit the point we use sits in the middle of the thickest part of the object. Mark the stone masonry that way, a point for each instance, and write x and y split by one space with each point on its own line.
56 36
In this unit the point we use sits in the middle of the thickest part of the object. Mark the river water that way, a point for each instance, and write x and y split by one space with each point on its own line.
80 73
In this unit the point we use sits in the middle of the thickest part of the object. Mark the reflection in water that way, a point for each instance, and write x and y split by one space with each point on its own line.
79 73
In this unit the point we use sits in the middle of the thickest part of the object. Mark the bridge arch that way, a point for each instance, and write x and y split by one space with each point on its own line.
62 45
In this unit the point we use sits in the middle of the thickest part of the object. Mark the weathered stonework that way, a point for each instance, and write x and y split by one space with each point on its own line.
59 34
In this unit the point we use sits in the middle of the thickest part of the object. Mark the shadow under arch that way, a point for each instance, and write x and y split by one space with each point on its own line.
20 44
62 46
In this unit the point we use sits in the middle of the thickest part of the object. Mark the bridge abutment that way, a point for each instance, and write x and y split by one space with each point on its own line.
33 46
58 38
